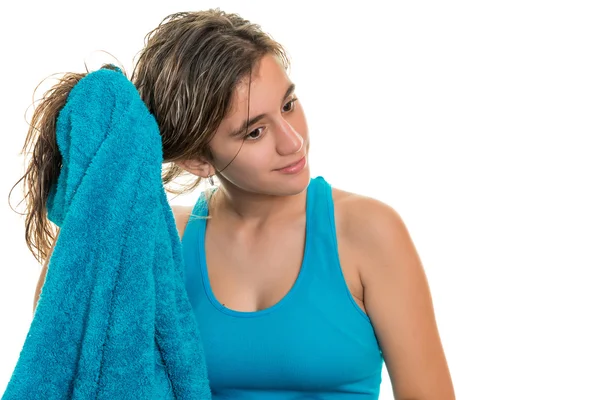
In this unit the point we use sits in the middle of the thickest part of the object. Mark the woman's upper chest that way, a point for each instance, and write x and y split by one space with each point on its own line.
254 273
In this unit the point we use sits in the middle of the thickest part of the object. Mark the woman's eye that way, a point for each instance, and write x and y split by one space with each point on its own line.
255 134
289 106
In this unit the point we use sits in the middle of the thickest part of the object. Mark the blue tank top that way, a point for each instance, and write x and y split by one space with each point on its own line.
315 343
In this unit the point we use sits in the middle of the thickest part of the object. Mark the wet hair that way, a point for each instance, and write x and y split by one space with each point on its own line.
187 74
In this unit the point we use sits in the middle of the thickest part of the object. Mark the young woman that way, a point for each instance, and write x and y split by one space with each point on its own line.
301 290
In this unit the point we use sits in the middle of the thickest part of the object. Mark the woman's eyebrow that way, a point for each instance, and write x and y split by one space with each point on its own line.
242 128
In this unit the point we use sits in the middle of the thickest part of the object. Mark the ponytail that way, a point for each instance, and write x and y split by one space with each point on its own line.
44 165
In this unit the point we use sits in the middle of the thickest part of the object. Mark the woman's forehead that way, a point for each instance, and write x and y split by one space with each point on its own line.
265 88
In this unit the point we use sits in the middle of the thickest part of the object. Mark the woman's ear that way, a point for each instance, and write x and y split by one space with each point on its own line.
201 168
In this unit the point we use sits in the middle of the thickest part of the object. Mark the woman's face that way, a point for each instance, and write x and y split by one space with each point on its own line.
271 156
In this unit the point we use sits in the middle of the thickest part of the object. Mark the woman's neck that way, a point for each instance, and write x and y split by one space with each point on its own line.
255 208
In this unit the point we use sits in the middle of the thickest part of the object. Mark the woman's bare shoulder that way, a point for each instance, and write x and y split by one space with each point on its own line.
358 216
355 205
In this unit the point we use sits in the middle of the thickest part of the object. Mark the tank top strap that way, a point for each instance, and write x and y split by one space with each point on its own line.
192 241
322 220
201 207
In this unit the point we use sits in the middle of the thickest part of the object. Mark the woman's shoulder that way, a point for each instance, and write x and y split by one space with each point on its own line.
360 207
375 234
364 220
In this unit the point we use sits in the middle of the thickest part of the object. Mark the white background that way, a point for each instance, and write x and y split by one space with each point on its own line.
477 120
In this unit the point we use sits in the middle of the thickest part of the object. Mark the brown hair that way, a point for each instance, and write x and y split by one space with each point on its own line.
186 74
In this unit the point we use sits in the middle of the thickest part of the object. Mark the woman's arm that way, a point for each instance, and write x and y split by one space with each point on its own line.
399 304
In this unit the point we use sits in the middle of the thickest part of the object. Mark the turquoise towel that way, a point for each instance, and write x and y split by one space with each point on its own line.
113 319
